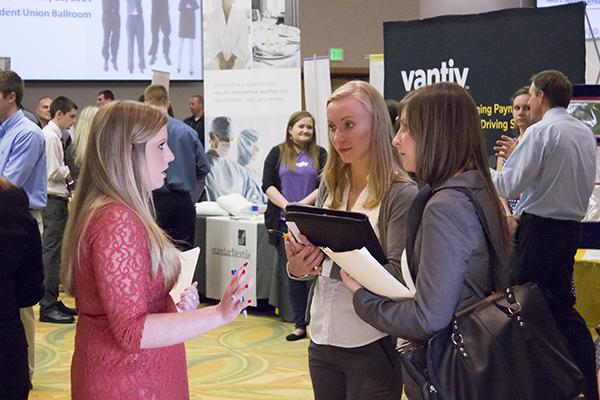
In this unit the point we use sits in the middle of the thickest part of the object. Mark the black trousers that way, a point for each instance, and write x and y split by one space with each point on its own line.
370 372
545 252
176 215
297 290
14 371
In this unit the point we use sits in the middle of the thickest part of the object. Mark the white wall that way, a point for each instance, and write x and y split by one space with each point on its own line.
592 64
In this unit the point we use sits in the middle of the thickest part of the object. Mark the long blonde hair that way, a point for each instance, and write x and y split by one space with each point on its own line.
287 148
113 170
385 166
82 131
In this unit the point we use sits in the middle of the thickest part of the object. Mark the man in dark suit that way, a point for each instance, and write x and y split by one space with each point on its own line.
196 120
111 25
159 21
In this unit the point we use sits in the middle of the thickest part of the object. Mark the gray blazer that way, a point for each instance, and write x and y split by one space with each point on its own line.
449 246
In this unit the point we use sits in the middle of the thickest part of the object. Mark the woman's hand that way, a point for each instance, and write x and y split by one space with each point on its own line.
233 301
189 299
304 258
351 283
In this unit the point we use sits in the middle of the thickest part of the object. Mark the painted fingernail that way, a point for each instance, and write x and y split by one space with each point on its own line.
249 301
245 264
246 287
243 271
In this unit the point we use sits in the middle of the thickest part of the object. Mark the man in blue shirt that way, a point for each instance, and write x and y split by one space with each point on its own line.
553 169
174 202
23 163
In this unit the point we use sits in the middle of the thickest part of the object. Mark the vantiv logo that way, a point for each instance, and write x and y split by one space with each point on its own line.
415 79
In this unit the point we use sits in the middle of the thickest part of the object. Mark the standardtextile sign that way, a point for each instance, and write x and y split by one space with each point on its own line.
490 54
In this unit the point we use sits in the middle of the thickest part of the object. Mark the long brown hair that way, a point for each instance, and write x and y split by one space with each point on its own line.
113 170
443 121
287 149
385 166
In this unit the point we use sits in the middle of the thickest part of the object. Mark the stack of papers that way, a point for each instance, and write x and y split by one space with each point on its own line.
363 267
188 266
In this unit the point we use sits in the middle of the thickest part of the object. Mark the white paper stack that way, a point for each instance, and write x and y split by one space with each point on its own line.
188 259
363 267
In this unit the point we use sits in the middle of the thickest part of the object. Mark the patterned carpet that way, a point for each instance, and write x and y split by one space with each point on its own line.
248 359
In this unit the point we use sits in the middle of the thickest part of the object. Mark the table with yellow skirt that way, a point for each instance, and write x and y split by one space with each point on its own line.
587 286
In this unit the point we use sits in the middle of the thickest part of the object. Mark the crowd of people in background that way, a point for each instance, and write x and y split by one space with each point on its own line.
101 200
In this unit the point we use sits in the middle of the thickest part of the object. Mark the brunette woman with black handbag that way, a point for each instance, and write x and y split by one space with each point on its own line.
479 344
440 139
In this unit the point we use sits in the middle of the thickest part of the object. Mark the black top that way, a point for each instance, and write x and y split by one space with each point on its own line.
271 178
21 268
198 126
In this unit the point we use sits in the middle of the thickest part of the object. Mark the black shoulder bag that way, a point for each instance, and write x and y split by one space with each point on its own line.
506 346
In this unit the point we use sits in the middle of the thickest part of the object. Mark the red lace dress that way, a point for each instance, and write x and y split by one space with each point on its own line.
115 292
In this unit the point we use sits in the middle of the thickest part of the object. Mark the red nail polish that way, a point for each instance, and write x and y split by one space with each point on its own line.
245 264
246 287
243 271
249 301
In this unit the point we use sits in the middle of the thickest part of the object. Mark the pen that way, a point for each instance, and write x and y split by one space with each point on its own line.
283 234
244 311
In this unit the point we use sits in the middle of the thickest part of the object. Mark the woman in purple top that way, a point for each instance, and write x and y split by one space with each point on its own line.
291 175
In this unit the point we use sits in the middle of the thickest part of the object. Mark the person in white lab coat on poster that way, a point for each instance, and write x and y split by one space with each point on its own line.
228 36
226 176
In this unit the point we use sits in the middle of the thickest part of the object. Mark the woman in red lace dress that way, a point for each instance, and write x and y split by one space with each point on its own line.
120 266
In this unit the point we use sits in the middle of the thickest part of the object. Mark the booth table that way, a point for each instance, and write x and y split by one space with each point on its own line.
227 243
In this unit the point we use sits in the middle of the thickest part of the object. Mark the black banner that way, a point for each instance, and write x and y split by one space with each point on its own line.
491 54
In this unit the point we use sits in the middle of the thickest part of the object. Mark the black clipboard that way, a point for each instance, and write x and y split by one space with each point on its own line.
338 230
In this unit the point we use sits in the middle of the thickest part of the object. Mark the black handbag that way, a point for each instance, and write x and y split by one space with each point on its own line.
505 346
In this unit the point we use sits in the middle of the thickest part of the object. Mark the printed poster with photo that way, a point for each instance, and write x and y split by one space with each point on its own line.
249 111
237 36
251 87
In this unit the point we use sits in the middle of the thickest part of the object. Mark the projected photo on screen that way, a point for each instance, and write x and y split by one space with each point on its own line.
102 39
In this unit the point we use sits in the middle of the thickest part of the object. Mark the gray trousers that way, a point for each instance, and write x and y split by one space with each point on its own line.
55 220
369 372
111 27
135 33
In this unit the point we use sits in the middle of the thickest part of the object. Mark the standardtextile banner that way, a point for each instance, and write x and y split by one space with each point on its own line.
490 54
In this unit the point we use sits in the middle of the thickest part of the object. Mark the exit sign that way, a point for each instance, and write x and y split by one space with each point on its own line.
336 54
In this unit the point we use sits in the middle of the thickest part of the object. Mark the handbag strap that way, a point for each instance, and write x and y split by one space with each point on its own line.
415 215
491 244
413 221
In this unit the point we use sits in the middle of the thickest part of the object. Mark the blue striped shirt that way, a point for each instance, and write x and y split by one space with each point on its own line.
23 157
553 168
